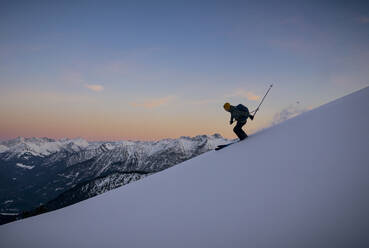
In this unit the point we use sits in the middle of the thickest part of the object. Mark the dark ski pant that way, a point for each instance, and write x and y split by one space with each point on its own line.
238 130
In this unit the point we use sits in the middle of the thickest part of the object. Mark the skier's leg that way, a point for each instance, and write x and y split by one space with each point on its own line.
238 130
243 134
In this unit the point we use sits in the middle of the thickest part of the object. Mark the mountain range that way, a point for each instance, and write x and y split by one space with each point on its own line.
53 173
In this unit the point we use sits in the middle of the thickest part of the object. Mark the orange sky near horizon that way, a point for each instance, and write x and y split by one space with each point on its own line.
47 115
150 71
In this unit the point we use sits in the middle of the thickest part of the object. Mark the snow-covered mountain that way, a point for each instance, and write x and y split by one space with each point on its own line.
34 171
302 183
41 147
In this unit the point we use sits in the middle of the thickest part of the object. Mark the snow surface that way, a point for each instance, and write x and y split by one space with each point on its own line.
40 146
3 148
302 183
24 166
9 214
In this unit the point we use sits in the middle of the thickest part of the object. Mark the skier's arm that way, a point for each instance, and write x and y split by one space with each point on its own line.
232 117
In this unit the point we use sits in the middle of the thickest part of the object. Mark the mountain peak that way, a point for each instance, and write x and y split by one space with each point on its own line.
40 146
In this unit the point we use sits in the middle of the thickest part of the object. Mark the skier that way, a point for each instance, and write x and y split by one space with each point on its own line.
240 113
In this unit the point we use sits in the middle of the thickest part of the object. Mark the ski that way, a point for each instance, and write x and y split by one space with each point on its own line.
225 145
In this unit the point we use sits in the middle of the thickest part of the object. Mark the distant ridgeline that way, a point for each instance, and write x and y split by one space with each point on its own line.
41 174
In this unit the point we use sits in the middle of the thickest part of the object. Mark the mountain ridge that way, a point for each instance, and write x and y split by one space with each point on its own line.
32 179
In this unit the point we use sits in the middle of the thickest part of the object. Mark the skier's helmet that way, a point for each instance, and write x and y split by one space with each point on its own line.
227 106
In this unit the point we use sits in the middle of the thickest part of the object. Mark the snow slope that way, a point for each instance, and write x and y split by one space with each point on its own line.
303 183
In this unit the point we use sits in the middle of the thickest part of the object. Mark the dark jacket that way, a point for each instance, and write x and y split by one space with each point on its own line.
238 115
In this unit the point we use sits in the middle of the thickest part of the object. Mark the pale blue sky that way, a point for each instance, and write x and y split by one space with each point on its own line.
164 59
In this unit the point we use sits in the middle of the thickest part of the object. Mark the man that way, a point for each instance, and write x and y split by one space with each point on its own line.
240 113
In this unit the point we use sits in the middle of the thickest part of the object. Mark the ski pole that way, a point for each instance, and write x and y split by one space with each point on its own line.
262 100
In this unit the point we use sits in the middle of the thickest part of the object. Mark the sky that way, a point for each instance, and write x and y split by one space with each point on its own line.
147 70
